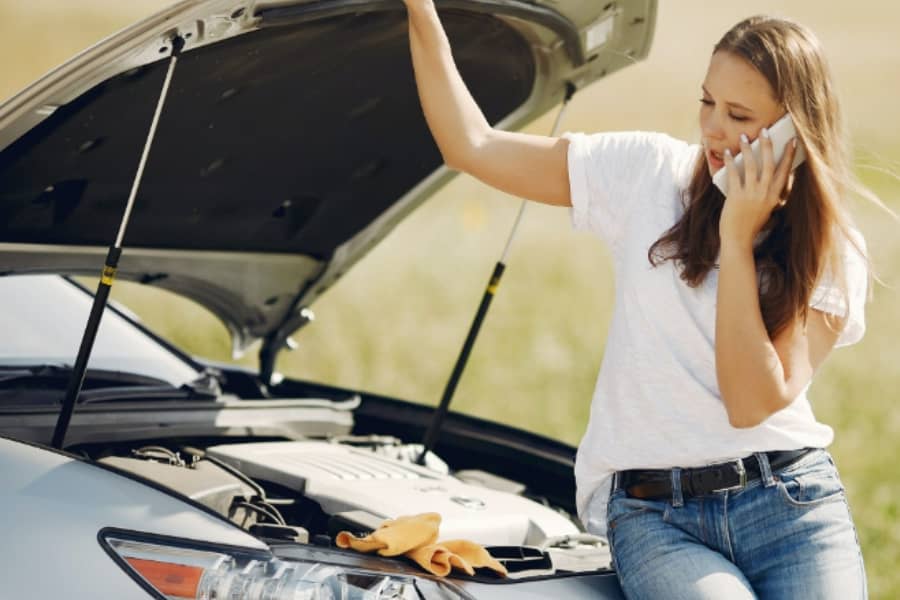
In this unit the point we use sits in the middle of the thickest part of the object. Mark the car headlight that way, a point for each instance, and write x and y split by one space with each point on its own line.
176 569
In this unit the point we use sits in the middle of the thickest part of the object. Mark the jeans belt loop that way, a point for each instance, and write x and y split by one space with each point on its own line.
742 479
765 469
677 496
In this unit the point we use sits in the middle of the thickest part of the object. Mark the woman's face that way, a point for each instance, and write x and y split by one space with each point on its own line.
736 100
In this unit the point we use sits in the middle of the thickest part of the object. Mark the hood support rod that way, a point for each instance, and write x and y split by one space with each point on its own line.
437 420
109 268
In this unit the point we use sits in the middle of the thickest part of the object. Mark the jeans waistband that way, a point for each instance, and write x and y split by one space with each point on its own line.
654 484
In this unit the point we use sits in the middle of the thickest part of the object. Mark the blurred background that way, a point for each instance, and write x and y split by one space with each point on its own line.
395 323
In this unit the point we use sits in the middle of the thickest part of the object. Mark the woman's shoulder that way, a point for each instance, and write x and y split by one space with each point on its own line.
614 175
639 139
635 150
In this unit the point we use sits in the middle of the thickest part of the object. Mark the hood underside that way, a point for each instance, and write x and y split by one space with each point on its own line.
290 142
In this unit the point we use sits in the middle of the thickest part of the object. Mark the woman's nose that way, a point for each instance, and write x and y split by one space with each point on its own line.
711 127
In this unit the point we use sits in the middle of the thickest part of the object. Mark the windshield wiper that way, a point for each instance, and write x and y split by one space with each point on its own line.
102 385
53 373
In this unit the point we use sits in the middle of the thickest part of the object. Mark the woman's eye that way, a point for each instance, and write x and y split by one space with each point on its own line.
738 118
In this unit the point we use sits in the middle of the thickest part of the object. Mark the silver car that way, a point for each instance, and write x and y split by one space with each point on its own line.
245 155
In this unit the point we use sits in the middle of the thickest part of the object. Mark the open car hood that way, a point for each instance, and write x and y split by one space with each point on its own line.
291 141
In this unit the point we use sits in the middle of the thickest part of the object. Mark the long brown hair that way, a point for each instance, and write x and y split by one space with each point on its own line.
803 240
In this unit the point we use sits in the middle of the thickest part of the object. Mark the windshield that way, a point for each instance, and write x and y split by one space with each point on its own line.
42 318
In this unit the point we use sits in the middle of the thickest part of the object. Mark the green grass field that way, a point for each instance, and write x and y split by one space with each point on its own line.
395 323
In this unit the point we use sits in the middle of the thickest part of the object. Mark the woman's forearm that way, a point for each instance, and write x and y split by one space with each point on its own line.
750 373
453 117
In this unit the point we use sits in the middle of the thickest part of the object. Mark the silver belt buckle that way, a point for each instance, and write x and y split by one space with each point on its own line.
742 479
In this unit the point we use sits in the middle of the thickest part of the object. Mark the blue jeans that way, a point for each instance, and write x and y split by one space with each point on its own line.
786 535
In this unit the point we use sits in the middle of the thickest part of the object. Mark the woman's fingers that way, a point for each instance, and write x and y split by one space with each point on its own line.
768 159
751 174
780 177
734 178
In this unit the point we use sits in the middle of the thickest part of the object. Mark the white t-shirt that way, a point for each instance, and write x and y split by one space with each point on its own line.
657 403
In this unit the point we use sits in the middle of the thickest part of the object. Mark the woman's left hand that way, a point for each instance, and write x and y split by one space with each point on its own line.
750 203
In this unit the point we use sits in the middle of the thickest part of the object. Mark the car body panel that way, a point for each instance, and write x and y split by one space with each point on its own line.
54 504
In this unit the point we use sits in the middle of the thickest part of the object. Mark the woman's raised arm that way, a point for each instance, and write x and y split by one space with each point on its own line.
529 166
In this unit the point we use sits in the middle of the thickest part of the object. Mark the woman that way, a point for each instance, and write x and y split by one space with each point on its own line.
702 462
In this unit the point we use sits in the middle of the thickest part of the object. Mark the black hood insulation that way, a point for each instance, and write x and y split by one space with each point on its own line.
288 139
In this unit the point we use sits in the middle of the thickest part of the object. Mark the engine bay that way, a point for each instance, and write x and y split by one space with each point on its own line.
307 491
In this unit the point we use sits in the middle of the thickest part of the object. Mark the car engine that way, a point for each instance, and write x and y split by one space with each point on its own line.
307 491
343 479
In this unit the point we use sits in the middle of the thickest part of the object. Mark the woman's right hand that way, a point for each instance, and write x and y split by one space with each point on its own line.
529 166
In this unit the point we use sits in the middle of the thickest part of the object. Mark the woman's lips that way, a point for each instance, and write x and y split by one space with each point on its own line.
715 160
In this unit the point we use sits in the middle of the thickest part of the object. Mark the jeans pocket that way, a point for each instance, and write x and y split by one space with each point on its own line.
622 507
811 484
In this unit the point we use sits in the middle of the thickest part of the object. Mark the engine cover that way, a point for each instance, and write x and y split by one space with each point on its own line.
343 478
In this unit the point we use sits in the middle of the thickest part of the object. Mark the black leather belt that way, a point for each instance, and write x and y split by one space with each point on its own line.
656 484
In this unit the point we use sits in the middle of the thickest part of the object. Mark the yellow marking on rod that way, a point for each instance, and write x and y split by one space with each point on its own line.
109 273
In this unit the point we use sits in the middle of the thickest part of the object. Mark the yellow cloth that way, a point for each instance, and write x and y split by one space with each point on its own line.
466 556
395 537
415 536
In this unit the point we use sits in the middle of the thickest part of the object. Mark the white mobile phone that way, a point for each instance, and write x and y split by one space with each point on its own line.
781 133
